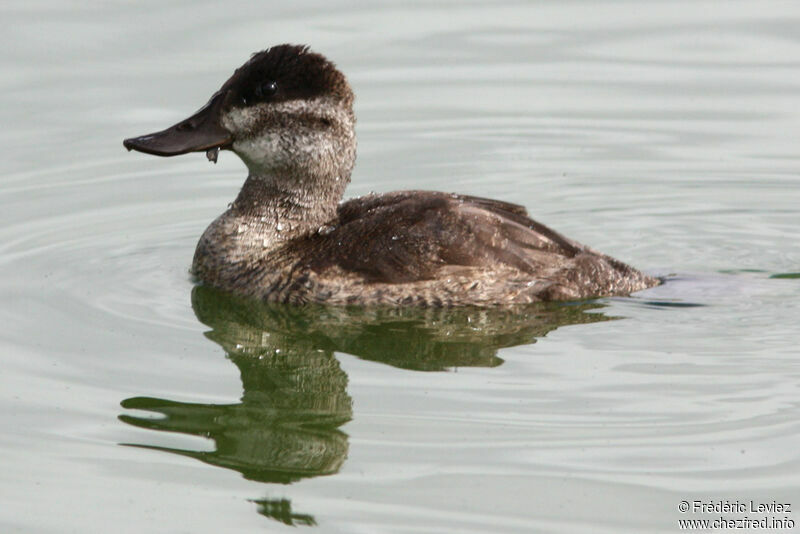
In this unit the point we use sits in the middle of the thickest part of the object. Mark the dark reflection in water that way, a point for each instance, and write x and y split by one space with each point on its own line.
286 426
281 510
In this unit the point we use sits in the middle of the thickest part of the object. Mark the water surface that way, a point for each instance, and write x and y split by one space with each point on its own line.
663 133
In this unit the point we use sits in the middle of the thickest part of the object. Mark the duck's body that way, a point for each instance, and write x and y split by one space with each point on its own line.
288 114
407 248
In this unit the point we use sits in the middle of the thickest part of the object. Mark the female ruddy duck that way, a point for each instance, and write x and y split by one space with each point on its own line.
288 114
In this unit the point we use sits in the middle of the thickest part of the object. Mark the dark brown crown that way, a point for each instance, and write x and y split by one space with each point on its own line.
286 72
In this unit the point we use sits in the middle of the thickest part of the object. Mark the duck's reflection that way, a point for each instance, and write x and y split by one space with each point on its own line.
286 426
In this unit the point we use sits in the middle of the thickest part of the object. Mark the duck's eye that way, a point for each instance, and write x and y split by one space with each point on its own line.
266 89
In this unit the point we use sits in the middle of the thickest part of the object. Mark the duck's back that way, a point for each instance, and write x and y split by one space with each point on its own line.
438 249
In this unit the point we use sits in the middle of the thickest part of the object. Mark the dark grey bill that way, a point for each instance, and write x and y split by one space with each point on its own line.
201 132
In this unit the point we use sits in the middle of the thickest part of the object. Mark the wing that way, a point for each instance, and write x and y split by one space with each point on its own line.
413 236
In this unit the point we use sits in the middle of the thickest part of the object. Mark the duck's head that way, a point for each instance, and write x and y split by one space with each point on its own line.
287 110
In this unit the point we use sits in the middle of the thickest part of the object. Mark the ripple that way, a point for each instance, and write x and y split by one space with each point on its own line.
129 258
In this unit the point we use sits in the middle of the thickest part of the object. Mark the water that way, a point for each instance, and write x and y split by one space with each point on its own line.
663 133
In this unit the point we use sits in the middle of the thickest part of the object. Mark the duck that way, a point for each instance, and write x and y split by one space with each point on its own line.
287 113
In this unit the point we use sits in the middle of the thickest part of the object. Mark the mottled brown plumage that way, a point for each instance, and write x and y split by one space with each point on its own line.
288 114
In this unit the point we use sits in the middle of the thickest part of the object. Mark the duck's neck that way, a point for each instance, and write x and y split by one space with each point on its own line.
272 209
291 206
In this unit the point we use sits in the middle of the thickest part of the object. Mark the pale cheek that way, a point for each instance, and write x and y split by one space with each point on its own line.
270 151
266 148
239 120
263 151
314 145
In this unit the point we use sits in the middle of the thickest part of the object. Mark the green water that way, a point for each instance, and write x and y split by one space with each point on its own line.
662 133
